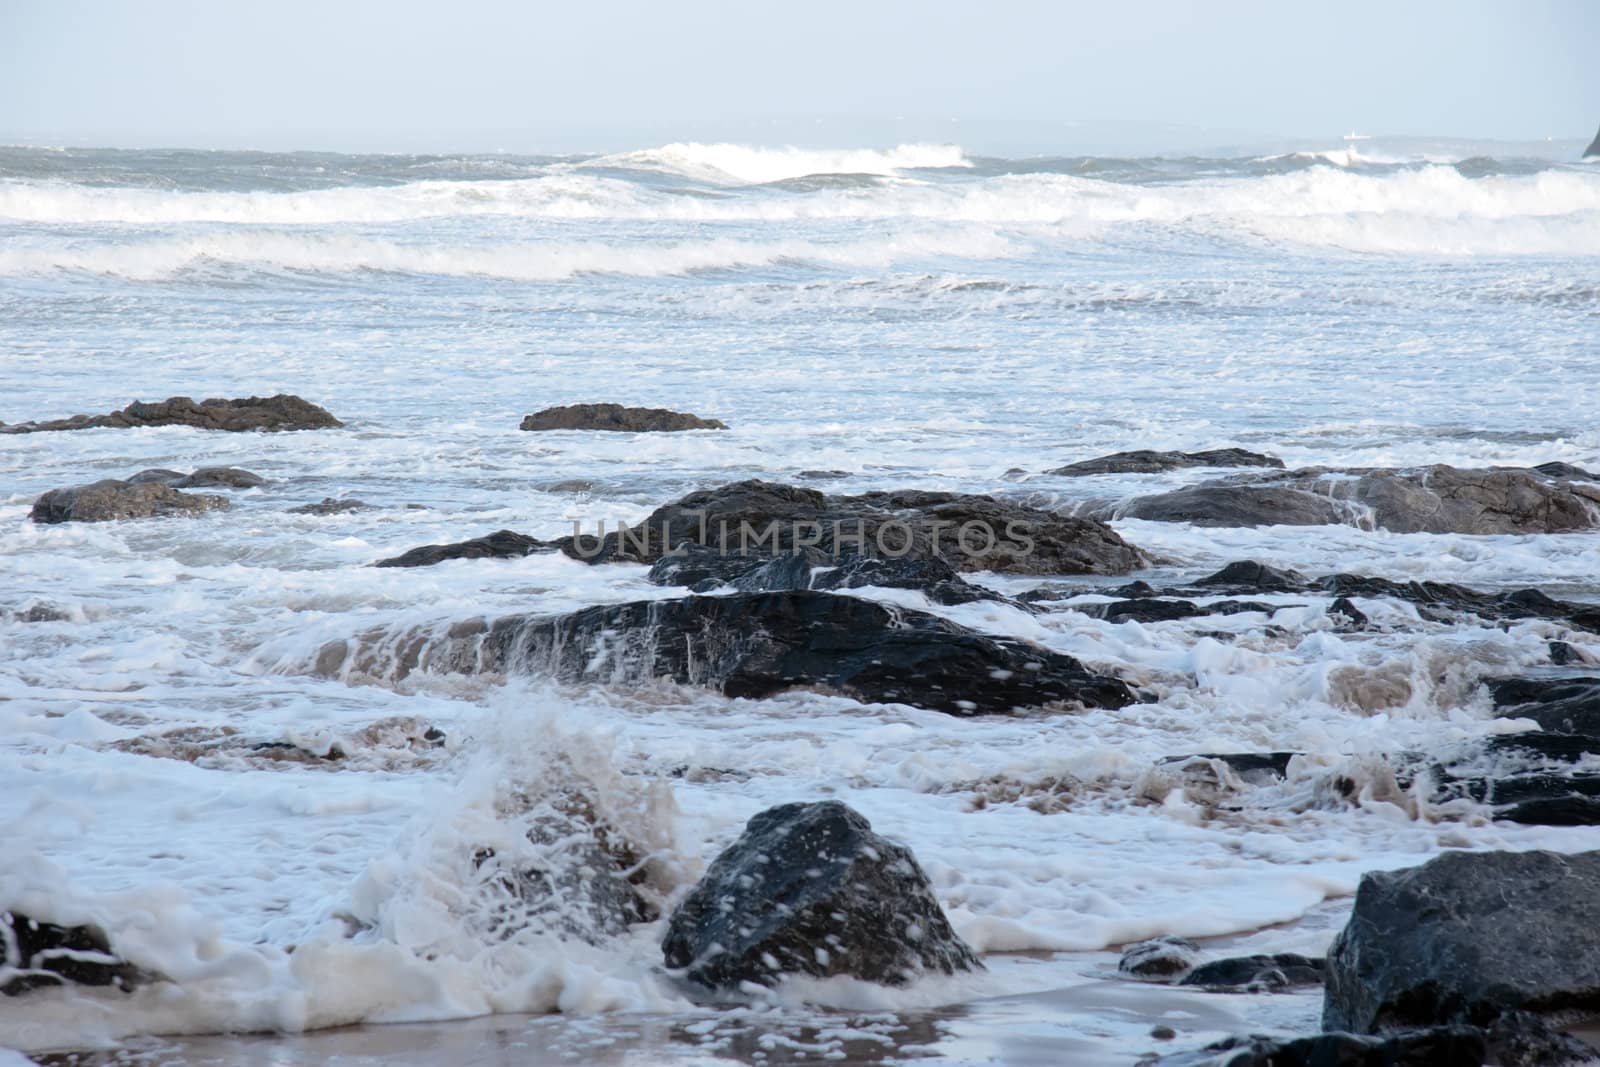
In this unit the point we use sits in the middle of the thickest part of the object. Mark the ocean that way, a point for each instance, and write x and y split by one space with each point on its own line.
908 317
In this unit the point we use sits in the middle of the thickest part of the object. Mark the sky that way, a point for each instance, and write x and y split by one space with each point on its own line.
400 75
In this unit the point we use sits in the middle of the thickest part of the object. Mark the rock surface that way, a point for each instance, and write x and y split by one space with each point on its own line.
502 544
35 955
1449 1046
1255 974
1144 461
1160 959
751 645
204 478
1432 499
330 505
1466 938
617 418
110 499
273 413
811 889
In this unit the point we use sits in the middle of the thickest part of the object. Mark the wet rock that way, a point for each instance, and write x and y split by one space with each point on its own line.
753 645
934 578
1144 461
1247 575
1536 778
1257 974
271 413
617 418
1566 470
1231 505
1562 654
157 474
811 889
221 478
36 955
1524 1039
969 532
1161 959
1445 1046
1569 705
788 571
1467 937
691 565
1347 616
42 612
329 505
1440 600
502 544
110 500
1434 499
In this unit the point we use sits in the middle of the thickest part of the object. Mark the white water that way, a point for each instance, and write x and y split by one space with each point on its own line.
936 321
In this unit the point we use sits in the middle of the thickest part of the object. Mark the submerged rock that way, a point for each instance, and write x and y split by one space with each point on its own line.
1255 974
36 955
502 544
204 478
617 418
811 889
1466 938
1144 461
330 505
110 500
752 645
271 413
1161 959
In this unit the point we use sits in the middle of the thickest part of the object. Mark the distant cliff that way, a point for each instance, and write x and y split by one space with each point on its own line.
1593 151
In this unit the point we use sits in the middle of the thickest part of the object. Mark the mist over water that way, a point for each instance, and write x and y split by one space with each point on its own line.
908 316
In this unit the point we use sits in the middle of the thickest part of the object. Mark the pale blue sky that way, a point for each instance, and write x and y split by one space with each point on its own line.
561 76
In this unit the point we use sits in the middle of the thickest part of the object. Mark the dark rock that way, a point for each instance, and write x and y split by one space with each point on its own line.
1347 615
1445 1046
1135 590
158 474
1568 471
1217 504
934 578
109 500
1160 959
1163 1033
1535 778
689 565
1440 600
1145 610
1436 499
764 518
41 612
1572 810
1559 705
1467 937
40 954
1144 461
1257 974
811 889
220 477
329 505
1523 1039
788 571
754 645
1593 151
502 544
617 418
1246 575
1562 654
1250 766
272 413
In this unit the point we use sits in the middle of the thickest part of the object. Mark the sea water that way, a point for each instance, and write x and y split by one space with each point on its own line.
911 317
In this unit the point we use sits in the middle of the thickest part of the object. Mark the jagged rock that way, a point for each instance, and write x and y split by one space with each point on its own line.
617 418
764 518
1445 1046
272 413
502 544
1593 151
753 645
1467 937
1144 461
329 505
35 955
1523 1039
1256 974
811 889
1346 615
934 578
1540 778
1436 499
1560 705
1161 959
1246 575
110 499
788 571
690 565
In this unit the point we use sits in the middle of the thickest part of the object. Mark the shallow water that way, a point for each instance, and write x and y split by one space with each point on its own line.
910 317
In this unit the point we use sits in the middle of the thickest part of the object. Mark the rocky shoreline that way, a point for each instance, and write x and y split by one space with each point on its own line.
1469 958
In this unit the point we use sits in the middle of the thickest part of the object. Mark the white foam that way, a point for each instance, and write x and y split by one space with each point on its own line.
750 164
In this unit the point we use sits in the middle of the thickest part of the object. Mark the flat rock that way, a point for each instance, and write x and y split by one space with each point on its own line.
1232 505
1144 461
110 500
1446 1046
617 418
1467 937
270 413
1257 974
811 889
752 645
329 505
